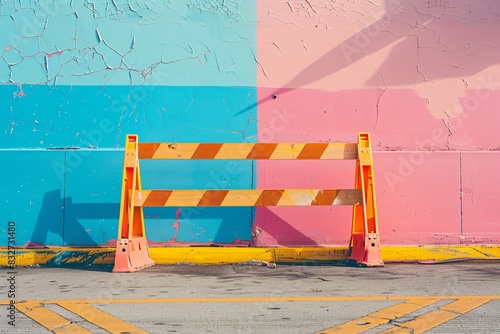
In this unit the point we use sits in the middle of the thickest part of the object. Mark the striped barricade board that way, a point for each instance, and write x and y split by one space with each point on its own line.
132 250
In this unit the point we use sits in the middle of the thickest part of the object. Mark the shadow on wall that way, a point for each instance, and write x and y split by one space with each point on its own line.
174 226
68 227
81 224
433 39
274 230
444 38
230 227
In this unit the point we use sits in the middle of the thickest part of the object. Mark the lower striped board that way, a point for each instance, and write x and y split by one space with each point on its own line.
247 197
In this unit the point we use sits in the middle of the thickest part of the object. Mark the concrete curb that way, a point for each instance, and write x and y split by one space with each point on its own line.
72 256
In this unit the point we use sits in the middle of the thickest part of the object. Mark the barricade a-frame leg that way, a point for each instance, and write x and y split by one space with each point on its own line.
364 247
132 251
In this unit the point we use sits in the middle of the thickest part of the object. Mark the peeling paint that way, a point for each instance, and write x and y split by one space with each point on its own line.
442 48
176 225
105 42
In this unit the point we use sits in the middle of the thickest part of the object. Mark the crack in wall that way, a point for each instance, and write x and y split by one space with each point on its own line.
140 43
107 39
448 57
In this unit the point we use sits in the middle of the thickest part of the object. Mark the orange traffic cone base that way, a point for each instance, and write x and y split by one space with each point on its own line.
132 255
365 250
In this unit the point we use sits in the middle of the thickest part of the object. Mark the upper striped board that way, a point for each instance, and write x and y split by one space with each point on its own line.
249 151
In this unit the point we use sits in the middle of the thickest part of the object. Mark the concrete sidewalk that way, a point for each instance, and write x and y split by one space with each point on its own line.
459 297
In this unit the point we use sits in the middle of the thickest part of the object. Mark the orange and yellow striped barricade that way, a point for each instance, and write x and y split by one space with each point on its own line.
132 251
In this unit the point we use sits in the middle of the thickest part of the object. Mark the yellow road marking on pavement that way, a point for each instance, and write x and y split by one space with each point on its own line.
380 317
263 299
70 329
461 305
221 300
432 319
251 299
101 319
48 319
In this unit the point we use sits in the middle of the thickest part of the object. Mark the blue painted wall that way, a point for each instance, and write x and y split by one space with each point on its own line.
78 76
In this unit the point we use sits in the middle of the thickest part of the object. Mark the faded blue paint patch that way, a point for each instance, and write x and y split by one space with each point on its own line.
179 43
100 117
31 195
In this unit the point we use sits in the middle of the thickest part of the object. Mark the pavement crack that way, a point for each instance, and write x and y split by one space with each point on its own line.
323 279
452 311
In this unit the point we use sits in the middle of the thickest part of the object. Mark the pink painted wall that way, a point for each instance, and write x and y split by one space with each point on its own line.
423 77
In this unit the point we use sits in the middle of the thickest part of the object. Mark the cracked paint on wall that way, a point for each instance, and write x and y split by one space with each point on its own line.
117 43
77 76
423 76
439 48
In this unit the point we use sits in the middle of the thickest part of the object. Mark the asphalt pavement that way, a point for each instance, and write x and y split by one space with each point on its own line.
251 298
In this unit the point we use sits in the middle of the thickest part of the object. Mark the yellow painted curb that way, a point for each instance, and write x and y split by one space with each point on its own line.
210 255
66 256
438 253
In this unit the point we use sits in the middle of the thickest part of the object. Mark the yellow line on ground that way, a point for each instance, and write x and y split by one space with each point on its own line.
380 317
71 329
101 319
251 299
218 300
48 319
248 299
432 319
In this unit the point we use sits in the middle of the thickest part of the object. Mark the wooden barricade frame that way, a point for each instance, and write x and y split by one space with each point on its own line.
132 251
